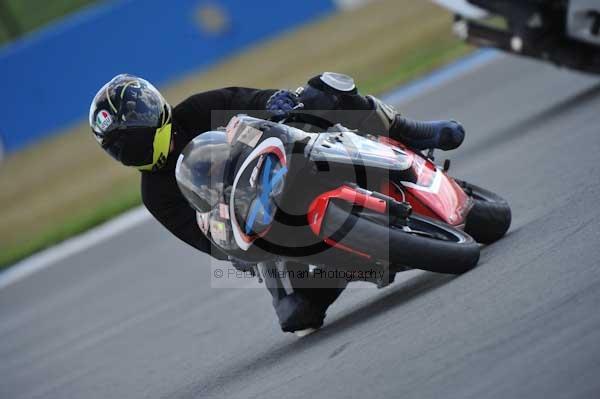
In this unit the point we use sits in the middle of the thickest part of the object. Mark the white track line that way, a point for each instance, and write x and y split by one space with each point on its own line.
73 246
130 219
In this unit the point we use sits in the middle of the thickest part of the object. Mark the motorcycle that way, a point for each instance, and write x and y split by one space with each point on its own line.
334 198
566 33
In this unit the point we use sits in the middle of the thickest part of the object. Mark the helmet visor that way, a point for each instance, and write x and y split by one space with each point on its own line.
141 105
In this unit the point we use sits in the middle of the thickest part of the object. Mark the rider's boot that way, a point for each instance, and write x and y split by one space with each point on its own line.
298 308
420 135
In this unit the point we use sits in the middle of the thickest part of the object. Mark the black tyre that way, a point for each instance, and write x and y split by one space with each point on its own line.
427 244
490 217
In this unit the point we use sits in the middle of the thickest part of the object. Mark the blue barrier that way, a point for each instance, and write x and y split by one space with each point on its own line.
48 79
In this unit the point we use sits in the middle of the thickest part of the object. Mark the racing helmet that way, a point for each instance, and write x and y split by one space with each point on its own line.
132 122
201 169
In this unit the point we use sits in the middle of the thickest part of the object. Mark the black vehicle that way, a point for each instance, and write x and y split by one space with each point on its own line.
564 32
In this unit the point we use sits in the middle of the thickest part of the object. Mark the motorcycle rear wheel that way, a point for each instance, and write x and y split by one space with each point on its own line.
424 243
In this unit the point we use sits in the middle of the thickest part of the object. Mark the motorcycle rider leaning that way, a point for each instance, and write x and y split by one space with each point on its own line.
134 124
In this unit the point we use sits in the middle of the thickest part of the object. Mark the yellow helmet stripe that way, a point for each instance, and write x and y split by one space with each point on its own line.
161 145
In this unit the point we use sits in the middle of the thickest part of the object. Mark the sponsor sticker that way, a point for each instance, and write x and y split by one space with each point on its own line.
231 128
241 132
103 120
218 231
250 136
256 171
224 211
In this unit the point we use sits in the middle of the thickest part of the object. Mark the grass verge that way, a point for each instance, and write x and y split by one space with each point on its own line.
81 221
25 16
65 185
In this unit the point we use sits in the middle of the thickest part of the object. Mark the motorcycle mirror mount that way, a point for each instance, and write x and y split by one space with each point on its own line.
430 154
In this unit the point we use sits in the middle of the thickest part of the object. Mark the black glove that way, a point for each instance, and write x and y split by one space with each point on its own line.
282 102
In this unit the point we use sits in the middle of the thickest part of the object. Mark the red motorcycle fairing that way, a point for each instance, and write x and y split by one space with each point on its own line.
318 209
431 192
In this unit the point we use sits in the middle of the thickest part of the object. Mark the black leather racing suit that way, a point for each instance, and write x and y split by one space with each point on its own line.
160 194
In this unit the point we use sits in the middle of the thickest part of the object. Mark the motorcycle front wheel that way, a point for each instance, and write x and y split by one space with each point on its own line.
490 217
422 243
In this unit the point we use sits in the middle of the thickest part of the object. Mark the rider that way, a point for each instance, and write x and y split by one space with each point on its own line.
133 123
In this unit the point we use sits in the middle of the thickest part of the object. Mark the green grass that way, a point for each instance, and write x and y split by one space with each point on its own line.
66 184
127 198
424 60
33 14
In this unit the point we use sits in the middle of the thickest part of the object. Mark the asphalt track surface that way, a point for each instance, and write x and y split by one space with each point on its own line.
135 316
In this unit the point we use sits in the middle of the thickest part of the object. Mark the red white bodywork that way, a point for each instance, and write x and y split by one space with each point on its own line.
434 194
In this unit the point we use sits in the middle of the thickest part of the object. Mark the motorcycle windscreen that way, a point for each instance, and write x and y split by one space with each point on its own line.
200 170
